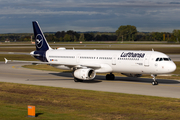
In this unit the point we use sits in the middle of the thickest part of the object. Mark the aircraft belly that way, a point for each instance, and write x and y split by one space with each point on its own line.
105 68
126 67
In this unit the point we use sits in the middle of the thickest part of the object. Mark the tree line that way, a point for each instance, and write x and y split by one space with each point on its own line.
123 33
130 33
72 36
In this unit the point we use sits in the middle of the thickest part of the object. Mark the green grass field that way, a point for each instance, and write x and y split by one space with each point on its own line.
17 57
67 104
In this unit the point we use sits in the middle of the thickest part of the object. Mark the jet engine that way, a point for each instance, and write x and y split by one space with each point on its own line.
85 74
131 75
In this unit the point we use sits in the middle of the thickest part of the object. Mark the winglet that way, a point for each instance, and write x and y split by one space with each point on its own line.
5 60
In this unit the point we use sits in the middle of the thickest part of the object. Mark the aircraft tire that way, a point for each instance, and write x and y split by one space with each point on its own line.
154 83
110 77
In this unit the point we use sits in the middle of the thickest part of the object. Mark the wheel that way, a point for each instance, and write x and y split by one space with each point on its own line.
154 79
154 83
110 77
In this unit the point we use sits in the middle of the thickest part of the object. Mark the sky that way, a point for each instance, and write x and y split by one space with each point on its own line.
16 16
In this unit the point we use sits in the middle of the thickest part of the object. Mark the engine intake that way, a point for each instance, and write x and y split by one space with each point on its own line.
85 74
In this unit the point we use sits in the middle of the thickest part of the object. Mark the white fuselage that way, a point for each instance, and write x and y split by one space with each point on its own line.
121 61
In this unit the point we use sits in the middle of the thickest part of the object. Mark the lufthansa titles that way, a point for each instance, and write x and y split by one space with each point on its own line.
132 54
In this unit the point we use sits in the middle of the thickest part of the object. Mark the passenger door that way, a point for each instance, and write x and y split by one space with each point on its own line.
146 60
114 60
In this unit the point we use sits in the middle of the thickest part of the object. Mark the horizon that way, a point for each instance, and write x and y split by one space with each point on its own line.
81 32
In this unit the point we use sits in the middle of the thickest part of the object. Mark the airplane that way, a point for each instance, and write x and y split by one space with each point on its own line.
86 63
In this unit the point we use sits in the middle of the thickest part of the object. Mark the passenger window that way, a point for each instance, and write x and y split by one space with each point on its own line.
157 59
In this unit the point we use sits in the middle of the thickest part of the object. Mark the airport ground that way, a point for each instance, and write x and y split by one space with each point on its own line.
80 104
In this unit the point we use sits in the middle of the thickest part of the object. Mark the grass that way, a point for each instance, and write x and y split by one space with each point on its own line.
17 57
61 103
177 71
9 49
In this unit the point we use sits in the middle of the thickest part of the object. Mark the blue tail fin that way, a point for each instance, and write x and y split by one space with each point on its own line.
40 40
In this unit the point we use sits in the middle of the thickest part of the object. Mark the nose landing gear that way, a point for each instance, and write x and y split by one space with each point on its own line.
154 79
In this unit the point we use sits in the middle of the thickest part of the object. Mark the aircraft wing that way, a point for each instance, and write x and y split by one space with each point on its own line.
95 66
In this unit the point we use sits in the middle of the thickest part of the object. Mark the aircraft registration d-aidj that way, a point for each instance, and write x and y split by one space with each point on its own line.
86 63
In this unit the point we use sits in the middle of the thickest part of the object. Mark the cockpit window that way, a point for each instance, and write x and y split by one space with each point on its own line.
157 59
160 59
163 59
166 59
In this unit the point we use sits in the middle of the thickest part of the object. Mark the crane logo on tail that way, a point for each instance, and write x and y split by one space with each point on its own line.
39 41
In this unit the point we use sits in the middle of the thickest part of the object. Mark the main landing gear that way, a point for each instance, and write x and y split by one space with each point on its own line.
110 76
154 80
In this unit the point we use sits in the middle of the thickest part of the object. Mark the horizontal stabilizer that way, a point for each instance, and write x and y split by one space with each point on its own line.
5 60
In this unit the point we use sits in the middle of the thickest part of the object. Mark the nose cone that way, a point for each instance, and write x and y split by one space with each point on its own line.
171 67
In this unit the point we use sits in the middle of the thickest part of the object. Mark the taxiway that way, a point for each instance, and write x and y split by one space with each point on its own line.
14 73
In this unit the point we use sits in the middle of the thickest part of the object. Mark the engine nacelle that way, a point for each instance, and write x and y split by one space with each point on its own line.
85 74
131 75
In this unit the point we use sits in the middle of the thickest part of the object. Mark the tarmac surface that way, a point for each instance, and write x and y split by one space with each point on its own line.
14 73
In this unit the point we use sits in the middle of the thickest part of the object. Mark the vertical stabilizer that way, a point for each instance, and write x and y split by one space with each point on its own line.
40 40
